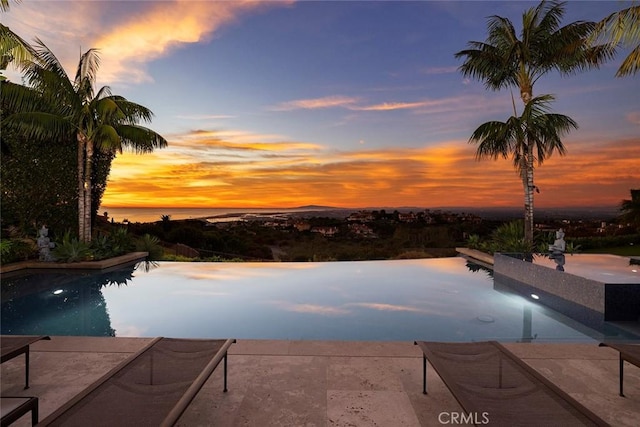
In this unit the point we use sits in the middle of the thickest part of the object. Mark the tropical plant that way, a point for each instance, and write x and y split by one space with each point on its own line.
631 208
532 137
54 107
150 244
71 249
166 222
5 248
101 247
120 241
572 248
474 242
18 249
622 28
509 237
504 61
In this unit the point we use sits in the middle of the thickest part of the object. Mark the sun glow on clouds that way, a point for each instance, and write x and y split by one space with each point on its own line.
240 169
348 102
388 106
316 103
150 34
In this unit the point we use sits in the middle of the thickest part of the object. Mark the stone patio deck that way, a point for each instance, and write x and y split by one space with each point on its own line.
322 383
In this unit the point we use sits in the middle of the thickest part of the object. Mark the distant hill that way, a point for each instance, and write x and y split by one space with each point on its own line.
318 207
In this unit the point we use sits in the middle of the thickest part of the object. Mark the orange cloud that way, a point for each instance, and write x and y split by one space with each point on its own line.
254 173
316 103
155 30
387 106
128 34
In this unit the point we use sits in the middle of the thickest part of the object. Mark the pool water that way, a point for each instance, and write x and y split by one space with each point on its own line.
444 299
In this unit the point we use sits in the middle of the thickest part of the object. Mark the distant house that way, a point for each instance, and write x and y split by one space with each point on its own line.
361 216
407 217
362 230
302 226
325 230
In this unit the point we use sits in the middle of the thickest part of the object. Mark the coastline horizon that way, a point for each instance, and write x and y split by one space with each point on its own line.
153 214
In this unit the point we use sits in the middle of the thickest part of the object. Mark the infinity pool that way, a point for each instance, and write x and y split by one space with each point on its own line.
444 299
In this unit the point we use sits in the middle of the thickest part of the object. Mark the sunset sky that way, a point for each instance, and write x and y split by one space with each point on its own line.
350 104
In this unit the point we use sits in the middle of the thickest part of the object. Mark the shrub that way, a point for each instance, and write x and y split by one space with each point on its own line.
71 249
120 241
101 247
20 249
150 244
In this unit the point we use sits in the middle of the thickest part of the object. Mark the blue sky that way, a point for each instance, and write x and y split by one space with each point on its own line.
278 104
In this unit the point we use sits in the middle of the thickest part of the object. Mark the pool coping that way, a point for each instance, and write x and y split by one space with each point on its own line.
82 265
476 255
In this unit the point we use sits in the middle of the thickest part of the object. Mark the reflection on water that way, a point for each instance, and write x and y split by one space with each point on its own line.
446 299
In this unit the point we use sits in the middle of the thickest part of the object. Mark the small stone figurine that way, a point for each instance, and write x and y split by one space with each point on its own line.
557 250
559 245
45 245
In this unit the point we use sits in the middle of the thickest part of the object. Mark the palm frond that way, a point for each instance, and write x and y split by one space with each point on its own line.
86 73
131 112
547 16
106 138
622 27
486 63
13 48
4 5
492 140
140 139
16 97
103 92
47 76
39 126
631 64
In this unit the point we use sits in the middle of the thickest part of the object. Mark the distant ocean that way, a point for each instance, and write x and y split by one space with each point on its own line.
155 214
506 213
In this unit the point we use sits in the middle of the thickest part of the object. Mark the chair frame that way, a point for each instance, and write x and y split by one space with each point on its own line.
179 407
623 355
8 354
30 404
467 404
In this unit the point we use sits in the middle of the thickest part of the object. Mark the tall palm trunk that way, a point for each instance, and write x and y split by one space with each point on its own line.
81 189
85 157
87 189
528 204
526 93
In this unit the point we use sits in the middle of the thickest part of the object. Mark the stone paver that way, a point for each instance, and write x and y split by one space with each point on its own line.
322 383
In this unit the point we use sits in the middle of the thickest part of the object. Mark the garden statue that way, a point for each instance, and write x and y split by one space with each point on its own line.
559 245
559 259
557 250
45 245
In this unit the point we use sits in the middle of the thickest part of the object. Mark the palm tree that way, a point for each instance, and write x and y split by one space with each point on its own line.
631 208
54 107
505 60
623 28
533 136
